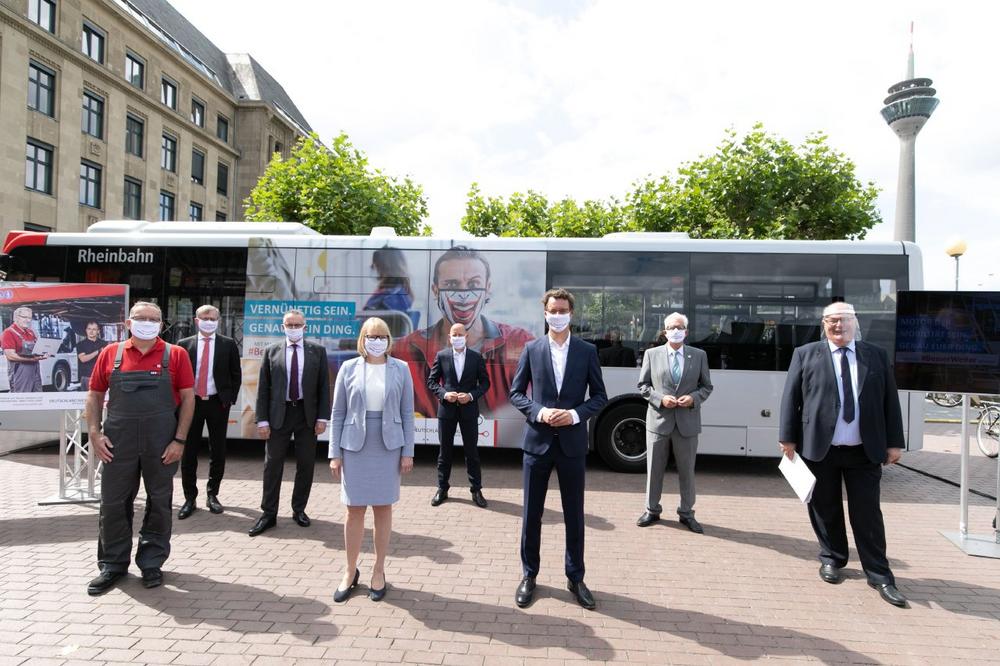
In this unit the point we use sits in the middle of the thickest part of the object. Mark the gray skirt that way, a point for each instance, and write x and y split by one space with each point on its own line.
371 476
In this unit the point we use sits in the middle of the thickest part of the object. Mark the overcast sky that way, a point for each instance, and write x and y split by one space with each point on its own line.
582 98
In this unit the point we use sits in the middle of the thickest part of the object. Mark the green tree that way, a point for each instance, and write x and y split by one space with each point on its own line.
336 191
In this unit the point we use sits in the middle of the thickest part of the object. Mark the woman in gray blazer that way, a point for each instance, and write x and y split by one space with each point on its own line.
371 444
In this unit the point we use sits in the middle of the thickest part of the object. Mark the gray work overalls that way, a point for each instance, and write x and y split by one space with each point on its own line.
141 423
24 377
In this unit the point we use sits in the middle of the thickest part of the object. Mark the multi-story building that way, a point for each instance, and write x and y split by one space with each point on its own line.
115 109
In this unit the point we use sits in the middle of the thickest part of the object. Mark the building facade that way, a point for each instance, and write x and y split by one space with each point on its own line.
122 109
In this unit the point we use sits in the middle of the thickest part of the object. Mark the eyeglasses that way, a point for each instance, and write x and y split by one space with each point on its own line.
676 327
294 327
151 320
833 321
375 338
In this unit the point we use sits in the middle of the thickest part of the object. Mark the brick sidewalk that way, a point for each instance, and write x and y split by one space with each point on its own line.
746 590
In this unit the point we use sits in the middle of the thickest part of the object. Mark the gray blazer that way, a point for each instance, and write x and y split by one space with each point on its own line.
655 382
347 421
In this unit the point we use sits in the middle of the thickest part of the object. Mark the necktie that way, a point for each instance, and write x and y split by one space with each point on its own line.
293 385
845 380
203 370
675 369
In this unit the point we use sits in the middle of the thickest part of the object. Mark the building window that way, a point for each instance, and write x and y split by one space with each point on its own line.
195 212
220 217
135 71
222 180
168 153
166 206
168 93
133 199
41 89
93 115
277 147
93 42
90 184
135 134
222 129
43 12
38 167
42 228
197 167
197 112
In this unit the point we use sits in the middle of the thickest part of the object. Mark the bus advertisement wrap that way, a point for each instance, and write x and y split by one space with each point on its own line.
52 333
419 294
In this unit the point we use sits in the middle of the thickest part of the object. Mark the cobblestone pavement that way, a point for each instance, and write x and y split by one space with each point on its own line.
747 590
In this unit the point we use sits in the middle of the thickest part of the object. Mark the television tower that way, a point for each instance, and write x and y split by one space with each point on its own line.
909 104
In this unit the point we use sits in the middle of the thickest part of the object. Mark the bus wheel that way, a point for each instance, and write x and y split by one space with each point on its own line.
621 438
60 377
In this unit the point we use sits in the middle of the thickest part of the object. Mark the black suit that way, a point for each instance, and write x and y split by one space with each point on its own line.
810 411
214 412
451 415
290 420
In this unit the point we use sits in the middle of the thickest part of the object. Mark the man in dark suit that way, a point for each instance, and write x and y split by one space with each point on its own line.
293 402
840 412
459 379
560 371
217 378
616 355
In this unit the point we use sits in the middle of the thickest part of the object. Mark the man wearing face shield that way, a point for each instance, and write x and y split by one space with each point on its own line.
142 437
461 287
675 381
18 341
217 375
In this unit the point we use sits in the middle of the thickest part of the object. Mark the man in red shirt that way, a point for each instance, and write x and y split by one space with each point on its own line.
142 438
18 344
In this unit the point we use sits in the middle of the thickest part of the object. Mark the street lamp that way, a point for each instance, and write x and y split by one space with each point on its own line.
956 247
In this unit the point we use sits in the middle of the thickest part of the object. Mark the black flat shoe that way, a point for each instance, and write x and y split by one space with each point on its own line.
340 596
478 499
439 497
104 582
152 578
647 519
693 525
213 504
378 594
263 524
582 594
301 519
525 592
829 574
186 509
889 594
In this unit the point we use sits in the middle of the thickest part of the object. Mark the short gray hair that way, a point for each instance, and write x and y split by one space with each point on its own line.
843 307
144 304
680 316
208 307
19 312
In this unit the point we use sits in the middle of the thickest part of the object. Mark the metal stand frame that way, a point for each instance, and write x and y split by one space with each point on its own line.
979 545
78 467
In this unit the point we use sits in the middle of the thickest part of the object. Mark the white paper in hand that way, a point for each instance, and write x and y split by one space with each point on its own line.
798 476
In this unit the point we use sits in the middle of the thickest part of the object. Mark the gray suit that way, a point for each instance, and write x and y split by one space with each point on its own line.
347 422
677 427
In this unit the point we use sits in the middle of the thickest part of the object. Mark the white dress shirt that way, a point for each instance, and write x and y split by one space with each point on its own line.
374 386
301 356
846 434
559 354
459 362
212 390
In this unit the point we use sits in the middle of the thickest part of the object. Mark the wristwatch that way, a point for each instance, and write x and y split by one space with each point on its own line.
179 441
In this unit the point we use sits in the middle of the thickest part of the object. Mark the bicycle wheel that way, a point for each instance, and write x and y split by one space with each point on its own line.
946 399
988 431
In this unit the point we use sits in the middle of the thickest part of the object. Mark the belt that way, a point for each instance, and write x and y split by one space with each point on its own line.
293 403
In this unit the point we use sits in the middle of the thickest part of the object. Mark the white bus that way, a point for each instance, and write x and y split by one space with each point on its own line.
750 303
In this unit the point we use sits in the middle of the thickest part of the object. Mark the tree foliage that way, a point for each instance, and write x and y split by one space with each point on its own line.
336 191
755 186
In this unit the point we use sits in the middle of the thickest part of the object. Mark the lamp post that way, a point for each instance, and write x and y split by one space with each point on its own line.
956 248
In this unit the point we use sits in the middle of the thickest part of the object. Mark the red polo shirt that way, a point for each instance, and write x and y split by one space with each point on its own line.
181 372
11 340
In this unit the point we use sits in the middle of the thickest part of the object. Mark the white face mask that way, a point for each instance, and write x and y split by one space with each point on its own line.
376 348
294 334
558 322
458 342
145 330
208 325
676 336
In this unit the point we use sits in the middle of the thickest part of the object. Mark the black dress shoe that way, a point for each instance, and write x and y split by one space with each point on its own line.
186 509
582 594
378 594
693 525
152 578
829 574
104 582
340 596
439 497
301 519
478 499
889 594
213 504
647 519
525 592
263 524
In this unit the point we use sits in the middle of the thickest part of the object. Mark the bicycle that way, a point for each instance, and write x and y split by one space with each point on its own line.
988 430
946 399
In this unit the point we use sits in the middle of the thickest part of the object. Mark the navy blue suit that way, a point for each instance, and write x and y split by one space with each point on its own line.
563 448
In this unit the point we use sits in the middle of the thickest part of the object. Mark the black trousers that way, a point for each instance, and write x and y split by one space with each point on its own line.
572 480
215 413
850 466
295 431
470 438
